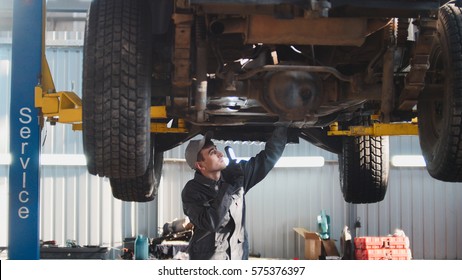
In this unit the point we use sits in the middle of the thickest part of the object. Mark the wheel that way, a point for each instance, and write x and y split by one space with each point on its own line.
142 188
117 88
440 117
364 168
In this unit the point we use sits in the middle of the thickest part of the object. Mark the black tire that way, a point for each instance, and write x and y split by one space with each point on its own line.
364 169
440 117
117 88
143 188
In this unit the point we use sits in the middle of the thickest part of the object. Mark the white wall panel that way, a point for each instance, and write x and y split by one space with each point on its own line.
5 89
4 195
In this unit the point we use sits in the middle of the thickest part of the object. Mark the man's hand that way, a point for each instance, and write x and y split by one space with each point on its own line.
233 172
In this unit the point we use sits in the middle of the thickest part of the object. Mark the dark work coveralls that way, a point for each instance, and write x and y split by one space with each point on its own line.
217 208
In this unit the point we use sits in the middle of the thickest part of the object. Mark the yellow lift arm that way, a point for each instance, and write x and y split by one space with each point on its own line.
377 129
66 107
63 107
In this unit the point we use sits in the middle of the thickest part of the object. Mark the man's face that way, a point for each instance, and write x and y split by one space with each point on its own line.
211 160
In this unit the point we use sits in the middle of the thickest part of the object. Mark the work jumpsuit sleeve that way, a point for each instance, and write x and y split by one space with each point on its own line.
257 167
206 211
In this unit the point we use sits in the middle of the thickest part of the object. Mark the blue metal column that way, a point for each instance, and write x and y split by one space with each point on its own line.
24 184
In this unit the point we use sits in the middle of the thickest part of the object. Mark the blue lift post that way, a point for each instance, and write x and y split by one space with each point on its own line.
24 173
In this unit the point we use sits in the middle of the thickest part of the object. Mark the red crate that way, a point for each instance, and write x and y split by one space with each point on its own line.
383 254
380 242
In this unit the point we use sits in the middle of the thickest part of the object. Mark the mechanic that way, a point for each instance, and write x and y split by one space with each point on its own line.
214 199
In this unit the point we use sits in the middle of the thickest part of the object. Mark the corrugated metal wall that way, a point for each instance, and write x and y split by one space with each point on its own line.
77 206
5 83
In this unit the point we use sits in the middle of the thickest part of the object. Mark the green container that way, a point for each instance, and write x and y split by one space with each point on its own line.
141 247
324 225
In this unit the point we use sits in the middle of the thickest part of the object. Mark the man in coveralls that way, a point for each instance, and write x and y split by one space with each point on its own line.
214 199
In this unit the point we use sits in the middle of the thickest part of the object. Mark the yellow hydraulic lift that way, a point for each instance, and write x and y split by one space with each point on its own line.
66 107
376 129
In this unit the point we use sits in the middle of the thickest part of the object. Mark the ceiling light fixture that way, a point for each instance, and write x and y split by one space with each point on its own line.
408 161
